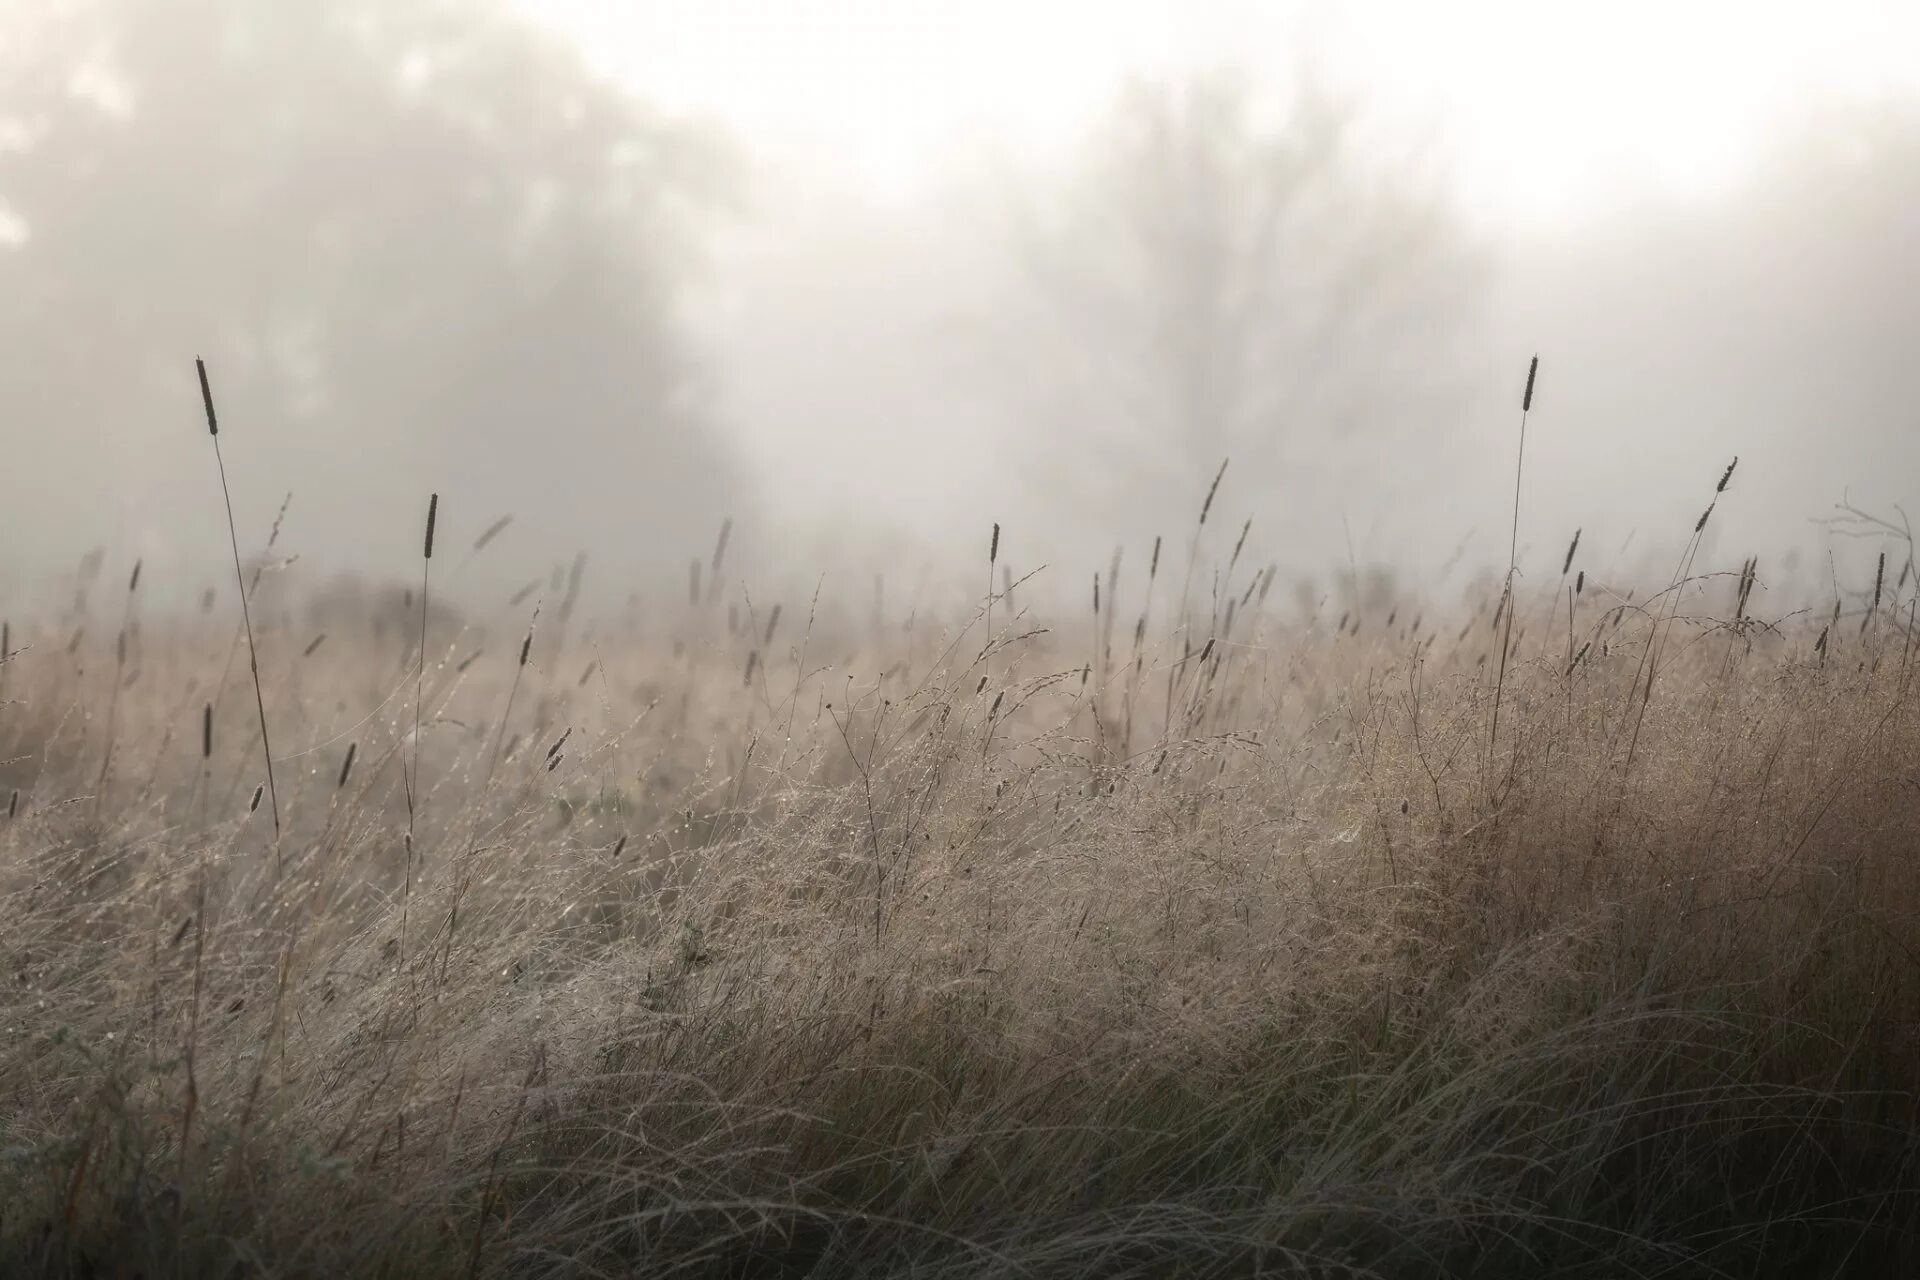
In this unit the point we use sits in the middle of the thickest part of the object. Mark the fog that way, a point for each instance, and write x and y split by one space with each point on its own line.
624 273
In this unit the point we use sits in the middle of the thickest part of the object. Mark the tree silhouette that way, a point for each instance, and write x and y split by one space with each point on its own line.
1211 282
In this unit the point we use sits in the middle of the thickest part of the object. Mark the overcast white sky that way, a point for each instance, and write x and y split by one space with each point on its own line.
1547 109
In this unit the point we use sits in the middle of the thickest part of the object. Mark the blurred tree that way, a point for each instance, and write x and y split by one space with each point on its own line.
1213 281
420 245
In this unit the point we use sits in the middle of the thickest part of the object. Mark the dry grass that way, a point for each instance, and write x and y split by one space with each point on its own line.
860 964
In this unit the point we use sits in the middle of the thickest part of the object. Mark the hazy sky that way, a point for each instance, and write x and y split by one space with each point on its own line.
1677 205
1546 110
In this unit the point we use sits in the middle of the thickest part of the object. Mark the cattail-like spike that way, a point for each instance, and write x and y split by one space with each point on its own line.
13 804
993 547
1526 398
1153 567
618 845
1701 523
346 765
255 805
1580 582
1879 580
1096 595
1212 489
554 750
1571 548
433 510
753 660
1727 475
1235 558
133 582
206 397
206 732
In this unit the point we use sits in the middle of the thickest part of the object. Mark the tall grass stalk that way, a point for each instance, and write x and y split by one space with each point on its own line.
246 615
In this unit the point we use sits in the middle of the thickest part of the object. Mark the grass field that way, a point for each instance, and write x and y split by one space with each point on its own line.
1137 939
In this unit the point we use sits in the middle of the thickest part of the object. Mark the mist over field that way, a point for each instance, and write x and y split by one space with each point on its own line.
893 637
429 247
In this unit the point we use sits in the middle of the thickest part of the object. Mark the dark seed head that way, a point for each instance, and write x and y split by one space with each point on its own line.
206 397
492 531
206 733
346 766
257 792
1571 548
134 581
433 510
993 547
1212 489
1727 475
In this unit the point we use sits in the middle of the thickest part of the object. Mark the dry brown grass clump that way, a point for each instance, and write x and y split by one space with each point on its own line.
966 951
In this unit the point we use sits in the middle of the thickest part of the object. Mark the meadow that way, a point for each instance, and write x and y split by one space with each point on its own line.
1191 930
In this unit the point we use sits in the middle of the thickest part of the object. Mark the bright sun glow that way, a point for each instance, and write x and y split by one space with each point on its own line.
1543 109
